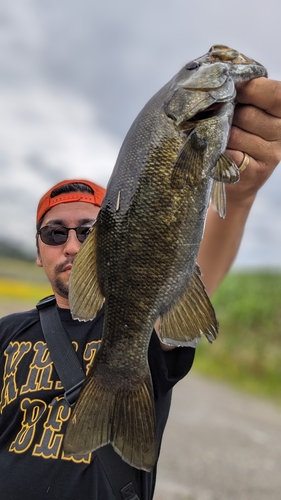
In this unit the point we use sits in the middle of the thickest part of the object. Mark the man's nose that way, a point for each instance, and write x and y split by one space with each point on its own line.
72 244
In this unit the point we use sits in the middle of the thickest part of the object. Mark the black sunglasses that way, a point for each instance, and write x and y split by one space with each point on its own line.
58 235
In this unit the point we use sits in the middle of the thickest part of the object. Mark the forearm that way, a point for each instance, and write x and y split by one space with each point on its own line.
221 241
256 131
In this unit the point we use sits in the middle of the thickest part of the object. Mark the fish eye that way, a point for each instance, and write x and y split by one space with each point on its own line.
192 65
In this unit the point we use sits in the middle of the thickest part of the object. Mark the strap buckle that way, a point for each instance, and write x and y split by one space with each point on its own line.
128 492
47 301
71 394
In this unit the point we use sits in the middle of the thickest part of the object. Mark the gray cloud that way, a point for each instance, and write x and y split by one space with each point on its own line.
74 74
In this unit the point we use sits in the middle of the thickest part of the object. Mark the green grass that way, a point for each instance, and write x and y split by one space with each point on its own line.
247 352
21 269
22 285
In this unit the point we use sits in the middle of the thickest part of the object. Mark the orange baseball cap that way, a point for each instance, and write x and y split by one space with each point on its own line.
46 202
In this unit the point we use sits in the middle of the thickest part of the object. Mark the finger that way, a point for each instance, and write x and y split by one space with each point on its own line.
251 179
258 148
257 122
253 167
237 156
263 93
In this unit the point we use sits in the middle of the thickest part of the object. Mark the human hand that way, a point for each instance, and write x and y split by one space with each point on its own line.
256 131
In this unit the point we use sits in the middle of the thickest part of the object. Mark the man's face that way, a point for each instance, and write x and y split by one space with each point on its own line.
57 260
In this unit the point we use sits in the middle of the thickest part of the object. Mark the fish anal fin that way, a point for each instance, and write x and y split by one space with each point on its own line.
123 416
218 198
190 316
85 297
226 170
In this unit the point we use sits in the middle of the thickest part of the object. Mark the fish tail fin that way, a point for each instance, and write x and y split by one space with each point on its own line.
121 416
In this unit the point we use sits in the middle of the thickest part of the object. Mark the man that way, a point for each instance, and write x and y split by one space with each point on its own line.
34 412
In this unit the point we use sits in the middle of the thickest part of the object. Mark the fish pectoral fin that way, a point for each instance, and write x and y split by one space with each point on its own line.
187 169
85 297
190 316
123 416
218 198
226 170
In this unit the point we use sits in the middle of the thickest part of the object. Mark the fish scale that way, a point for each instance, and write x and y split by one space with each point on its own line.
140 258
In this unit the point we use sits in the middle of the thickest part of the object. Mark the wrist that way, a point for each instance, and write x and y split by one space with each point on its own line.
242 198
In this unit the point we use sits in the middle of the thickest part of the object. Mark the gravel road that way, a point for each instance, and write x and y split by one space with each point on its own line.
219 444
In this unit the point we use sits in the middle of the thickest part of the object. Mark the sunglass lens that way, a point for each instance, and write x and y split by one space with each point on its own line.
59 235
82 233
54 236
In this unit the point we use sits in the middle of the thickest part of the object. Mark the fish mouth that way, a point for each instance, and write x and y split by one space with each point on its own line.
204 114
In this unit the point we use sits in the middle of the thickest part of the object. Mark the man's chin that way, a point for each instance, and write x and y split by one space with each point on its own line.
62 288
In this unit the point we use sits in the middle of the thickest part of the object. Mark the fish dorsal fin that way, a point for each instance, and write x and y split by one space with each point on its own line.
85 297
226 170
190 316
218 198
188 166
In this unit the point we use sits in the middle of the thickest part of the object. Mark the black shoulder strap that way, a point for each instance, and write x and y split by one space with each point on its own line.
62 352
72 376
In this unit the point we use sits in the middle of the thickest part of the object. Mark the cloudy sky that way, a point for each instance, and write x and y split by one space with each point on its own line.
75 73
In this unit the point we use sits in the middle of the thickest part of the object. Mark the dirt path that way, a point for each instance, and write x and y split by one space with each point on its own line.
219 445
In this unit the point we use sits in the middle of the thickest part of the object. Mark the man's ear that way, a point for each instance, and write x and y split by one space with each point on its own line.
39 261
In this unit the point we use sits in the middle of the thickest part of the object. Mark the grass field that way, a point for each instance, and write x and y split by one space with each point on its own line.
22 285
247 352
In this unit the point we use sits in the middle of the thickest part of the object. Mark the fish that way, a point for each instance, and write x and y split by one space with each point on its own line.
139 260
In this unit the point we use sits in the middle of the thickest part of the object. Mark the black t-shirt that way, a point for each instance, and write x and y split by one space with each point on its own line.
34 414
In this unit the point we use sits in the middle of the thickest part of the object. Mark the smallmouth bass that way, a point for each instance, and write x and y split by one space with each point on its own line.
140 258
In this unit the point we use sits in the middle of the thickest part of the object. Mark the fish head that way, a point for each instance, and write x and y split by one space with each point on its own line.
241 67
199 89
